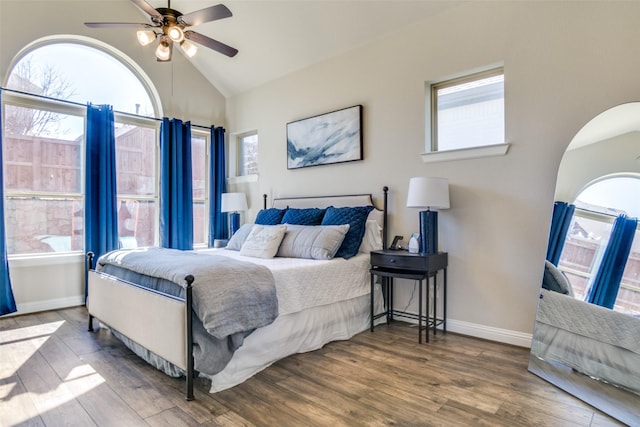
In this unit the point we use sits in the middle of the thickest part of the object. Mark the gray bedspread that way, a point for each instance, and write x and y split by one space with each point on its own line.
231 298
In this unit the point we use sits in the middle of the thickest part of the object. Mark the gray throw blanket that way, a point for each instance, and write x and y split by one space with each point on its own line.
230 297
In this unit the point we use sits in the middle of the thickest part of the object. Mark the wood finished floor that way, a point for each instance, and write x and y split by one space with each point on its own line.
53 372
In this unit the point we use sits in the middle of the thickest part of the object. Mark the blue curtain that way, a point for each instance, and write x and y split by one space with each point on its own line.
100 206
562 214
218 184
605 285
176 185
7 302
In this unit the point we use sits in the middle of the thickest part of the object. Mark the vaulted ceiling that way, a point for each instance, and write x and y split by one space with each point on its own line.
275 38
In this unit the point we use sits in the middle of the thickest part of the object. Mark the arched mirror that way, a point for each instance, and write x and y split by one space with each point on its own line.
586 338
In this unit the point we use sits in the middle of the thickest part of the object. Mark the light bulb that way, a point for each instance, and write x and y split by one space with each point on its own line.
189 48
175 33
146 37
163 52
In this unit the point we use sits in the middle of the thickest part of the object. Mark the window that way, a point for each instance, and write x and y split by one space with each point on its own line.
596 208
199 156
44 145
468 112
43 151
136 148
248 154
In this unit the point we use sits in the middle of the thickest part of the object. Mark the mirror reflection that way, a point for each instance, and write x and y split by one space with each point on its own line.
586 338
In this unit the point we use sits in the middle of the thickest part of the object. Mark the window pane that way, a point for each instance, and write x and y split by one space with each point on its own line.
135 158
470 114
248 155
199 171
38 224
199 166
42 151
199 221
585 244
628 300
136 222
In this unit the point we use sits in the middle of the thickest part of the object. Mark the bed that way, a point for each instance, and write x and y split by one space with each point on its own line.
317 300
593 340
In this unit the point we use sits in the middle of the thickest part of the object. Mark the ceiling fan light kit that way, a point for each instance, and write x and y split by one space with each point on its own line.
163 51
169 26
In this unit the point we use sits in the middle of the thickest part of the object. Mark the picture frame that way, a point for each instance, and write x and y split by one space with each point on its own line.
329 138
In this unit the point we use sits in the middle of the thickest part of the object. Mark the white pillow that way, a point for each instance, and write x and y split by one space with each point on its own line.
372 239
239 237
263 241
312 241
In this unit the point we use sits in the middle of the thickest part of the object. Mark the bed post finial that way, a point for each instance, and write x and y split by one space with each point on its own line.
264 201
385 190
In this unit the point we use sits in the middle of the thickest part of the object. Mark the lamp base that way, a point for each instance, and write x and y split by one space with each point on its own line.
428 232
234 223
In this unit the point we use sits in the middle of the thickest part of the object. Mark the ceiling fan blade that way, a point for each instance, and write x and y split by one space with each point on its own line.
211 43
118 25
149 10
207 14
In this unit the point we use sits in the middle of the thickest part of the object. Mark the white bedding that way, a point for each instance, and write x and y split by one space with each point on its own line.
304 283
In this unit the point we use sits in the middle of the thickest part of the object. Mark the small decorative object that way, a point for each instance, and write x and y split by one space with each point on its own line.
430 193
334 137
233 202
414 243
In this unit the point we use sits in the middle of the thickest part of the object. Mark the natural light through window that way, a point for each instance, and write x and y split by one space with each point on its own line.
468 112
43 143
597 206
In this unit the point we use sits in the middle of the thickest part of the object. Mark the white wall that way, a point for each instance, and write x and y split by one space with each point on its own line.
581 166
565 62
58 281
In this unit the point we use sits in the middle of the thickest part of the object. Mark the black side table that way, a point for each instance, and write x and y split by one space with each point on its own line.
391 265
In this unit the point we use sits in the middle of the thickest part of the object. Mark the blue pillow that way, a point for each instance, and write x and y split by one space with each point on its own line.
356 217
271 216
310 216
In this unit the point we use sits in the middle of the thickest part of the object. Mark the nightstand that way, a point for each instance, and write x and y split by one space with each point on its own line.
392 265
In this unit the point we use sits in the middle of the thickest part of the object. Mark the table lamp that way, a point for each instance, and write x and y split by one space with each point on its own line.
233 202
429 193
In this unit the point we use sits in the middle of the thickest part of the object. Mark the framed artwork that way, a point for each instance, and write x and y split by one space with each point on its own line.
334 137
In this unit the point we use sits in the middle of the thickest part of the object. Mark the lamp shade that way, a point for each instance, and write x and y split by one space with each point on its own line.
431 193
233 202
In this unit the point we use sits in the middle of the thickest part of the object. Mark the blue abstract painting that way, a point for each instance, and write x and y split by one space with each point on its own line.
334 137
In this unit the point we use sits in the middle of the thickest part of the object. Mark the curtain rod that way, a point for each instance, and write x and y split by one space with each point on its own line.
66 101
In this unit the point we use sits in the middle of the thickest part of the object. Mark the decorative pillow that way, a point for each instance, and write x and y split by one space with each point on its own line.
310 216
238 238
372 239
312 241
555 280
271 216
356 217
263 241
376 215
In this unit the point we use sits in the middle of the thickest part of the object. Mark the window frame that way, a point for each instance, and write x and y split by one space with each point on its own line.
432 153
202 133
26 100
233 158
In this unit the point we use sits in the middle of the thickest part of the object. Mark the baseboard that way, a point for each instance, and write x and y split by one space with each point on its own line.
505 336
53 304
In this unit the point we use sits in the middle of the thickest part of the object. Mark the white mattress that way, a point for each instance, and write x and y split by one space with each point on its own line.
305 283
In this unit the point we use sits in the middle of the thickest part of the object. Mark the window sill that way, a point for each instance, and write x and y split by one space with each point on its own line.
466 153
242 179
35 260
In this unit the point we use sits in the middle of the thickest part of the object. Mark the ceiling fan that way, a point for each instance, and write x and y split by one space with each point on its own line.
169 26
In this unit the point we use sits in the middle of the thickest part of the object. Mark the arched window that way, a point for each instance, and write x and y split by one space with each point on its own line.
43 142
597 206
